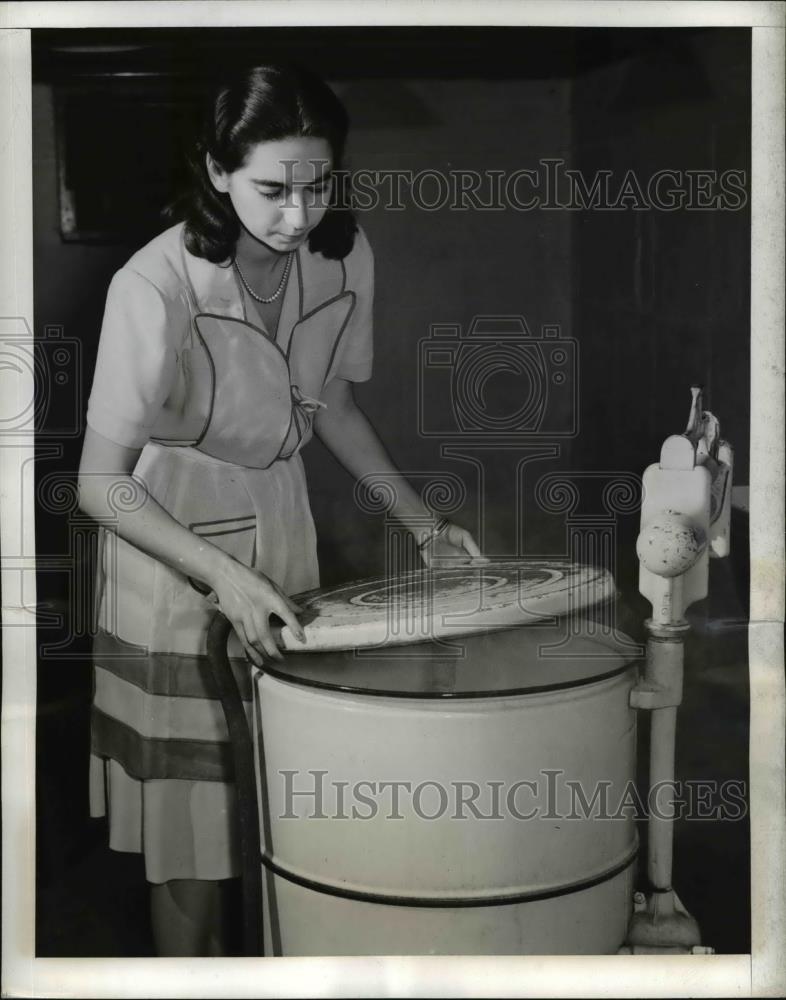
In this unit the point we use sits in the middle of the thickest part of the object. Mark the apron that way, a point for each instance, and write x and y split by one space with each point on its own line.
223 459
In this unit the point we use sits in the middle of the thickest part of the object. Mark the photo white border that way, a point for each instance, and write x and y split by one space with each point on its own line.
763 973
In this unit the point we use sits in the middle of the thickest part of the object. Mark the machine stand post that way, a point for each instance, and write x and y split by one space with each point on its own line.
660 923
684 521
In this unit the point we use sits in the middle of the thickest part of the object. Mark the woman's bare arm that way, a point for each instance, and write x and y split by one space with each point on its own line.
346 431
245 596
106 469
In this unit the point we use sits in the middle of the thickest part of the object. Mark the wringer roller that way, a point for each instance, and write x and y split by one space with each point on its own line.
479 680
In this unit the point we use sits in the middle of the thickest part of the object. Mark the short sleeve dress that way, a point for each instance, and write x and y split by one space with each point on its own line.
187 372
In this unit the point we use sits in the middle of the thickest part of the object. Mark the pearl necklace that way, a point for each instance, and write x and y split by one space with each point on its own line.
281 284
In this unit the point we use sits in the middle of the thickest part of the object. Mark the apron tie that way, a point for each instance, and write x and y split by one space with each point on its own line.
306 403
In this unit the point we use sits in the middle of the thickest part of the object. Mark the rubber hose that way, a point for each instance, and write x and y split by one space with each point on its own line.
245 782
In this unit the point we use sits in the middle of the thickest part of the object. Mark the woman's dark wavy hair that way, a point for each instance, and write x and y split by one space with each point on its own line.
261 104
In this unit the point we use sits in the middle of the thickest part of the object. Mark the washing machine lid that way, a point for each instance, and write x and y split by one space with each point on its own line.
446 601
501 628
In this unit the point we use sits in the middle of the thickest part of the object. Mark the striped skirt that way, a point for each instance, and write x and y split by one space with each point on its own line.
161 763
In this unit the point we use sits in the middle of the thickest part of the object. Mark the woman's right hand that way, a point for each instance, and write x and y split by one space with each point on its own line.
248 598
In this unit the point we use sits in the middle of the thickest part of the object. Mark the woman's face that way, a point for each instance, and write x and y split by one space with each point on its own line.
281 191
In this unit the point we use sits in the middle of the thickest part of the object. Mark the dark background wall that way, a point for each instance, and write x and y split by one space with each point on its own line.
652 300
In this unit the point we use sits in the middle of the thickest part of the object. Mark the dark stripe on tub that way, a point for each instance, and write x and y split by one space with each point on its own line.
147 759
292 678
447 902
175 675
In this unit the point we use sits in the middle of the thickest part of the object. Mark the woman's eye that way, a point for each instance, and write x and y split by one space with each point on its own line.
313 196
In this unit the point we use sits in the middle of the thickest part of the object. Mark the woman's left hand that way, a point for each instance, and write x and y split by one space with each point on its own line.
454 546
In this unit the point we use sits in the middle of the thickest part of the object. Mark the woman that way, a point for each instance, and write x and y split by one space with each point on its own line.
226 340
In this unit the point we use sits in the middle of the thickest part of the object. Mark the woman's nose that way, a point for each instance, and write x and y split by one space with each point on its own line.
296 213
